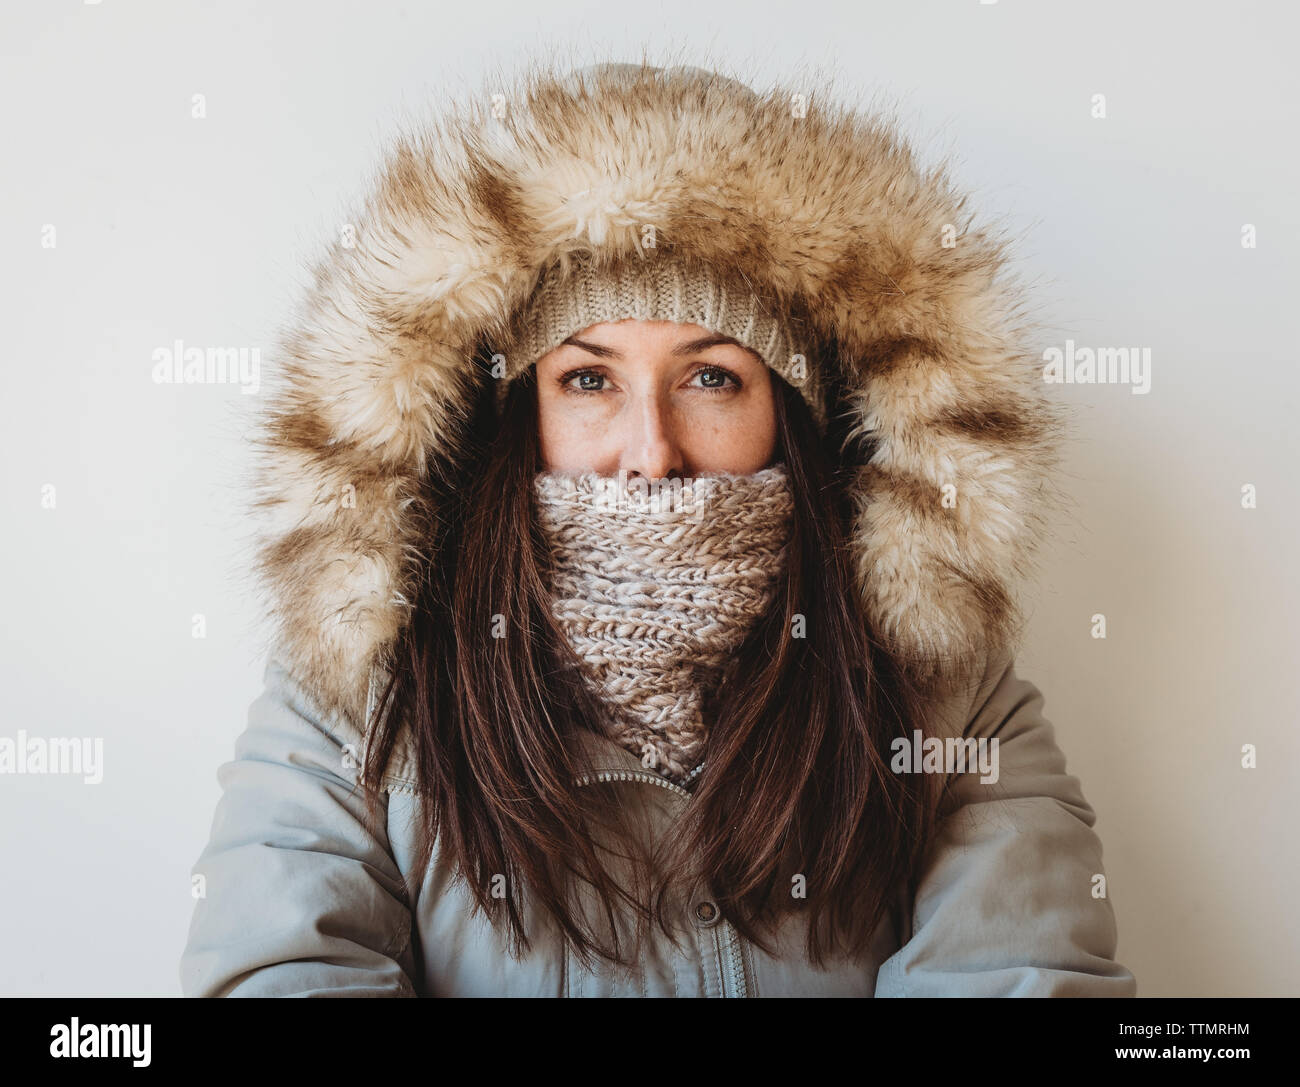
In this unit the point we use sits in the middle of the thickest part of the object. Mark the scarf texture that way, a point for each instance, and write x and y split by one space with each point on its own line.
654 588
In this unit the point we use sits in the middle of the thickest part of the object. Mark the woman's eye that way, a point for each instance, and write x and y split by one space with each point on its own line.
714 377
585 381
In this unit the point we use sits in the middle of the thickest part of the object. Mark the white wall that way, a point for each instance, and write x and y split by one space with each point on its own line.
170 227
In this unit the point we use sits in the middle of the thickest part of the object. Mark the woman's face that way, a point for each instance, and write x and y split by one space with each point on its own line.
657 399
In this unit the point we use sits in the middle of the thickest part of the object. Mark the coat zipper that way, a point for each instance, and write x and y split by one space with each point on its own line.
728 939
631 775
731 949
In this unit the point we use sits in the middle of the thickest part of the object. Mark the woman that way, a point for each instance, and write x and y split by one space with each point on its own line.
651 473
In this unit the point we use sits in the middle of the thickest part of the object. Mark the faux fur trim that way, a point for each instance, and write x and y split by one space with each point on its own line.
823 209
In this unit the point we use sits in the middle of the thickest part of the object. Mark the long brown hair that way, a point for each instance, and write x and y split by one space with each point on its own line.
796 789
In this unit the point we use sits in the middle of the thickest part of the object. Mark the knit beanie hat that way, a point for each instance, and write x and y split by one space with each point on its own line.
659 288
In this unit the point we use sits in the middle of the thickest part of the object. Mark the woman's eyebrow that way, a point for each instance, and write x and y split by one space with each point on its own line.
687 348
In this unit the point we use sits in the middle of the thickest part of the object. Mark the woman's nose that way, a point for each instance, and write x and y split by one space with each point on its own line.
650 446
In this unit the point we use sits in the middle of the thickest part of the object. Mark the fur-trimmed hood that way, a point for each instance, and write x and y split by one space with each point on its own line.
823 209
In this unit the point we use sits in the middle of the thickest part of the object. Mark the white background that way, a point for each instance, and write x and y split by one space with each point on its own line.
170 227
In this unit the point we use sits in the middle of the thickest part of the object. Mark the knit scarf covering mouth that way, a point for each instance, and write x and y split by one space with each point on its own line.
655 586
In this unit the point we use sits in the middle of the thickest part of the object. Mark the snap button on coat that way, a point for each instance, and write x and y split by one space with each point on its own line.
706 913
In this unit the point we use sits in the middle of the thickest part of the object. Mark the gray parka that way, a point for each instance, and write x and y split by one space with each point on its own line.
819 207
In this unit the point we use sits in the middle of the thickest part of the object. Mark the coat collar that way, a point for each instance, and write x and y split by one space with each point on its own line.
824 209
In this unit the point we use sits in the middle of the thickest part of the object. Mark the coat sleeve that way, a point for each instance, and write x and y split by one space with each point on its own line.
300 897
1006 904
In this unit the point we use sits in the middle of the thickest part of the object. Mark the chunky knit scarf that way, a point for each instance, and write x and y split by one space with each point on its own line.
655 586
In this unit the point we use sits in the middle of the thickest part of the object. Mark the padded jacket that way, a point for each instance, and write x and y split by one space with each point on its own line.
304 899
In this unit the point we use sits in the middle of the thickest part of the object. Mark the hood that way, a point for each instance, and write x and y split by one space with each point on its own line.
821 208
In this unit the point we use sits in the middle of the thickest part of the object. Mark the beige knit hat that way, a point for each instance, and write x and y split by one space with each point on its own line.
658 288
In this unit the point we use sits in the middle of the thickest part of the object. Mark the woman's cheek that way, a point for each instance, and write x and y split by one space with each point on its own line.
573 431
730 438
